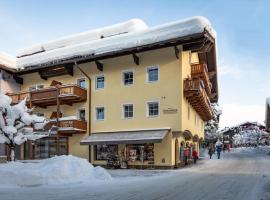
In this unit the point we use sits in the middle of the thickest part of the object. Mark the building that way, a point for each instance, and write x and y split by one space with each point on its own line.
267 115
253 132
137 92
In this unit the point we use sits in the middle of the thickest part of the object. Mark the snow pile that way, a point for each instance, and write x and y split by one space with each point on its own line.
70 48
56 170
253 136
7 60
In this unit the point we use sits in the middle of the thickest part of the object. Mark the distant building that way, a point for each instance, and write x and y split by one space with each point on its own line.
267 115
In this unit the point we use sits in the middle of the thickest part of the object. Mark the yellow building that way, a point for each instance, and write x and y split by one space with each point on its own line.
140 93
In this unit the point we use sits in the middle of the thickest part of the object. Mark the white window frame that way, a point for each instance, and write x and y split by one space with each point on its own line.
36 87
147 108
123 111
79 79
97 107
123 78
147 74
99 76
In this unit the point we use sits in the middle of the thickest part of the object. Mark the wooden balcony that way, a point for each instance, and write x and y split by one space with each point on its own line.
67 94
201 71
196 95
68 126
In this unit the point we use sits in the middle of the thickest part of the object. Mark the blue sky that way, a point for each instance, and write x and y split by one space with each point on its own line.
243 29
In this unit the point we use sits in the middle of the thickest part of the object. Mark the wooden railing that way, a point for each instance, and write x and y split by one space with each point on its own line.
68 126
17 97
194 91
201 71
68 93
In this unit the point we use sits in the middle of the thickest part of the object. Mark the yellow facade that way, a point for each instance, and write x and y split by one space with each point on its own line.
168 91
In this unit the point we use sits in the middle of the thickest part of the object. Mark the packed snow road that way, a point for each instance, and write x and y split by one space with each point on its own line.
241 174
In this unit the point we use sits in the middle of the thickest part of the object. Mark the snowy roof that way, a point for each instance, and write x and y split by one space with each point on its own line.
7 61
130 34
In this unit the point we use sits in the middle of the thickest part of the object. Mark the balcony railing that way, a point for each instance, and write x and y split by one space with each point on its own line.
67 94
68 126
201 71
195 93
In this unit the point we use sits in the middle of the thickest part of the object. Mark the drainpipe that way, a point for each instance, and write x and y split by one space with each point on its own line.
89 101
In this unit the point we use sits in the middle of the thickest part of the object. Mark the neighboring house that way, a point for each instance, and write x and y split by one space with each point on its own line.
267 115
137 92
229 132
8 83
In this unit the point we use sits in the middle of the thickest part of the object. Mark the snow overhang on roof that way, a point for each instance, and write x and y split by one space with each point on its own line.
7 62
116 38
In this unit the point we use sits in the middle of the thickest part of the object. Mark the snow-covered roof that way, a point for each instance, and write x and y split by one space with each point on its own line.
7 61
130 34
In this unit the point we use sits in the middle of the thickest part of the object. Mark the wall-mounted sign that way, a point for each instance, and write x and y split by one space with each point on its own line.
170 111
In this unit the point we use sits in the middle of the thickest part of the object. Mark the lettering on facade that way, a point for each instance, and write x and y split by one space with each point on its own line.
170 111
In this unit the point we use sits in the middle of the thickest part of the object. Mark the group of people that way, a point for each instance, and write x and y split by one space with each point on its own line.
218 147
187 154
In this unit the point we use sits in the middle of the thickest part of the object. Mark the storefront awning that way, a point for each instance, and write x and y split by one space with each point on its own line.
126 137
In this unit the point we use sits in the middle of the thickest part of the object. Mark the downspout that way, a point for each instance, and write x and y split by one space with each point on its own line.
89 102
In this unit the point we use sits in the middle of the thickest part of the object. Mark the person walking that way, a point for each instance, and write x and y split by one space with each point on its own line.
186 152
218 148
210 151
194 156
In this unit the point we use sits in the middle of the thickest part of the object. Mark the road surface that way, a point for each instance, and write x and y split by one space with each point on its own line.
241 174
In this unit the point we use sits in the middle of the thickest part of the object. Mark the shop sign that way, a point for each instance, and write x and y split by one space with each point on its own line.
170 110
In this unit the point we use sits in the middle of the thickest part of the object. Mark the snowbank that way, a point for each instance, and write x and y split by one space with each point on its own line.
56 170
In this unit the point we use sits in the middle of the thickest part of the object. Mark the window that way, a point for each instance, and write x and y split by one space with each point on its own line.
103 152
81 82
128 111
153 109
82 114
36 87
128 78
195 119
100 113
100 81
152 74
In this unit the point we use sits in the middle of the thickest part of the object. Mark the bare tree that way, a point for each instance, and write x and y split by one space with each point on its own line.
17 124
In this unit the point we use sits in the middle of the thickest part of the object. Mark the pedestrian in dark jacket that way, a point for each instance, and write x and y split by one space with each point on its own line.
186 152
195 156
210 152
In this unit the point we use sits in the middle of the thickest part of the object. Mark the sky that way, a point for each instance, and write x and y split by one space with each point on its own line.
243 38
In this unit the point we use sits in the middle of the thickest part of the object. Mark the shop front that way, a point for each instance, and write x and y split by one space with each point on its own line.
132 148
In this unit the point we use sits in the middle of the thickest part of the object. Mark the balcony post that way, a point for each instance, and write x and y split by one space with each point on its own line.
57 119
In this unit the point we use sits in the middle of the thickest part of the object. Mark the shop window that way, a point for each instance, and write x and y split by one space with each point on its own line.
128 78
153 109
103 152
81 83
152 74
100 82
100 115
141 152
128 111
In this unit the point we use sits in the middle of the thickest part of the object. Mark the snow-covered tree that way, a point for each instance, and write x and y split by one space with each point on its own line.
17 124
211 127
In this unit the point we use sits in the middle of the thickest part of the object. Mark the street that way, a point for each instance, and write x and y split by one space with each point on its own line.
241 174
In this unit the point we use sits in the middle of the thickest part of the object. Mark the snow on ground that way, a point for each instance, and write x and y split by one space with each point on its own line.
56 170
243 173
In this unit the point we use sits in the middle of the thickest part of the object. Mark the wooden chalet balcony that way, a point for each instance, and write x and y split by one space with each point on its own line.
68 126
67 94
201 71
196 95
